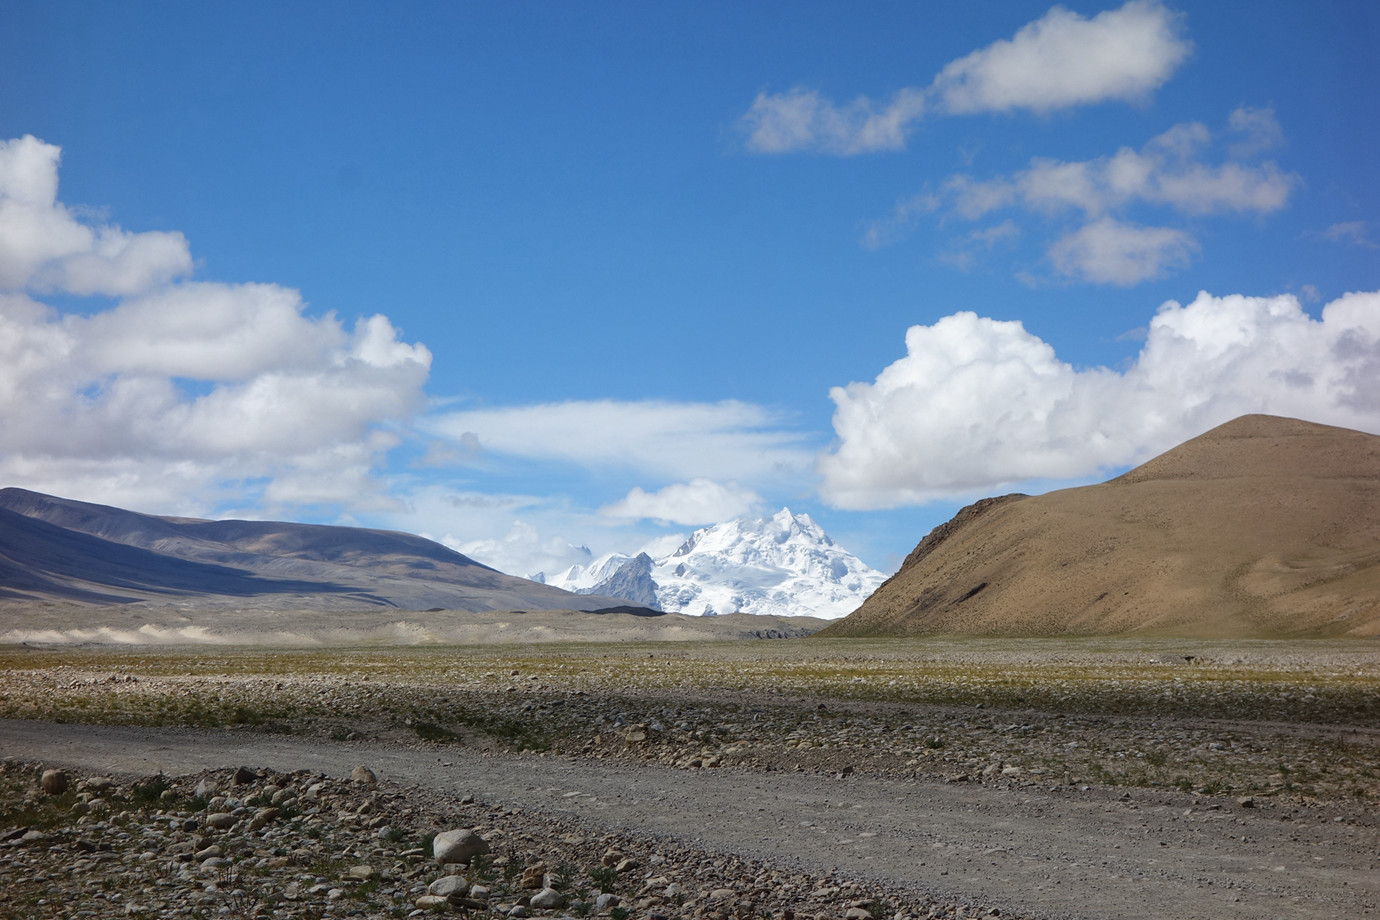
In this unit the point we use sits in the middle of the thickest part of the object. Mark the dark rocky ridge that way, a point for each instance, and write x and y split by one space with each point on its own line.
55 549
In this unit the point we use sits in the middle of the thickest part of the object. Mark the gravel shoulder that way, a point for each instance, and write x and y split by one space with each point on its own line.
1026 848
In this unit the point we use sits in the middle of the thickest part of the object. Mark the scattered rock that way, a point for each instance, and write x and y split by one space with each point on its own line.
449 886
54 782
547 899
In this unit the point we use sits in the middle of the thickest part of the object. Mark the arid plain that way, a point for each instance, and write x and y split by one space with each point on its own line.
911 778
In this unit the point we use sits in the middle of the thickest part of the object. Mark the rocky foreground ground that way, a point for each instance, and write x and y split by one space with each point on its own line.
242 843
1212 733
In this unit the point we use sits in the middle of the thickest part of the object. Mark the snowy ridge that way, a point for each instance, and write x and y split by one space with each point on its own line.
580 578
785 564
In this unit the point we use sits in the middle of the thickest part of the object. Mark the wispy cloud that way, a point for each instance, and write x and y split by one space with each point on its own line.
803 120
671 441
1256 130
1108 251
978 405
1174 176
883 232
1351 232
1059 61
965 253
1168 171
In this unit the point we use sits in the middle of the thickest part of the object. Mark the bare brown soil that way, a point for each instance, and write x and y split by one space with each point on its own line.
1263 527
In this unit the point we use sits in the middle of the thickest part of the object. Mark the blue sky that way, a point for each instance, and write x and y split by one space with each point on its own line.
535 277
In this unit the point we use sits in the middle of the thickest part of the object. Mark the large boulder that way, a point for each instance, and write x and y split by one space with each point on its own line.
54 782
458 846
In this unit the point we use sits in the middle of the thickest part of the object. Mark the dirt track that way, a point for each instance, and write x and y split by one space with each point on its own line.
1034 849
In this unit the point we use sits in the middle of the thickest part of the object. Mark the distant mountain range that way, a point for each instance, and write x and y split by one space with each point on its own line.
1262 527
784 565
55 549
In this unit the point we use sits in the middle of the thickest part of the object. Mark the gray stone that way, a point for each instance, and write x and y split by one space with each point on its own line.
605 901
264 817
547 899
449 885
458 846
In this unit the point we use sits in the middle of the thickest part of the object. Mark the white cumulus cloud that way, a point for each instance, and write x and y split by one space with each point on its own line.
1058 61
977 405
181 394
699 501
1063 60
43 246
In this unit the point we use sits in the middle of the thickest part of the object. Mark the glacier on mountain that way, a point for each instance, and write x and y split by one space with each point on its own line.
784 564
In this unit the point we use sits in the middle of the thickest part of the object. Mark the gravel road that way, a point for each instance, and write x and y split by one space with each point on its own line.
1047 850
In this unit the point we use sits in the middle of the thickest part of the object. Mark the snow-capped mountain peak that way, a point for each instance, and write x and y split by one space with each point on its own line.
784 564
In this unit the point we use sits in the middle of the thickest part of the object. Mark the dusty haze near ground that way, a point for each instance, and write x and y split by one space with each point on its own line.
246 623
1261 527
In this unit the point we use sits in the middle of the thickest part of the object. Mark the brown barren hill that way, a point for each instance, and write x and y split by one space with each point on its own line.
1261 527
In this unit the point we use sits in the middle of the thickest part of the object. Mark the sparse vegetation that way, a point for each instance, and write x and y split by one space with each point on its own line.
1275 718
